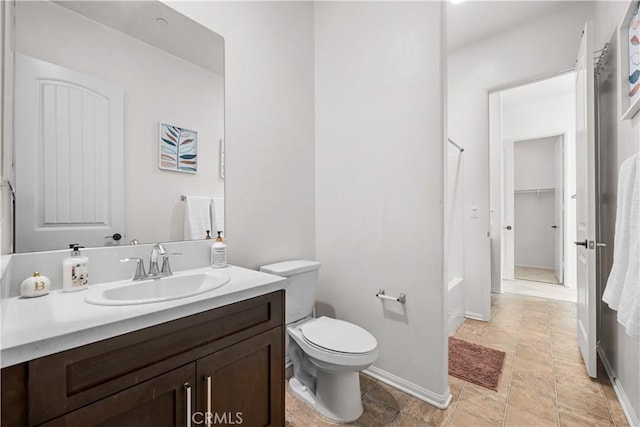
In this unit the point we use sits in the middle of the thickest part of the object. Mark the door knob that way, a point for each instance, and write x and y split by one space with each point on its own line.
585 243
508 227
554 226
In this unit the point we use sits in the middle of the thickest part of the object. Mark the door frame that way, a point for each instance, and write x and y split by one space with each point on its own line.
495 184
498 219
560 200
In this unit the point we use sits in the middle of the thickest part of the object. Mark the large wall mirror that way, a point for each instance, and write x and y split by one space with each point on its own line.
118 117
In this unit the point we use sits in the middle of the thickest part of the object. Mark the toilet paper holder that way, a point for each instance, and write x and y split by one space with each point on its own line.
401 299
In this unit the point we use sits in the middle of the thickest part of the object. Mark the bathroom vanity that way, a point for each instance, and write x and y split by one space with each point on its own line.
227 360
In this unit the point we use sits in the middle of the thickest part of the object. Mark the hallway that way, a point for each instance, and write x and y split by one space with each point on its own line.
543 383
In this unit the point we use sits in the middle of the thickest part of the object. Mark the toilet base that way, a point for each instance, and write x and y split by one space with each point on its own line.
337 395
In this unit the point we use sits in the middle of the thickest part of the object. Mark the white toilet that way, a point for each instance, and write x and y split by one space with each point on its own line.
327 353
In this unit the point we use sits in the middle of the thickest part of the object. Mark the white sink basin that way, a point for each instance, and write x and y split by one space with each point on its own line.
180 285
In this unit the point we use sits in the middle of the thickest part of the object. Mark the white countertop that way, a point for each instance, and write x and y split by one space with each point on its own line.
37 327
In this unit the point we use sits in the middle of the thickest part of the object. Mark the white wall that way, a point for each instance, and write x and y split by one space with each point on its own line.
622 352
533 164
454 213
158 87
532 50
269 114
454 221
380 179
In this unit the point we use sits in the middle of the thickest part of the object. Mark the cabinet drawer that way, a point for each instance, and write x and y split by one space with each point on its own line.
68 380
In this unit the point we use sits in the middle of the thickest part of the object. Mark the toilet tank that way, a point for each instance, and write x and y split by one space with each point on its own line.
300 291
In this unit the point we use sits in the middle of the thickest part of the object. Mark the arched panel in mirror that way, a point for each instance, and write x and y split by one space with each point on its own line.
118 125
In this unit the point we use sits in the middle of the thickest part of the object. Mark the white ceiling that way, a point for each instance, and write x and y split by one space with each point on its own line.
544 89
176 34
471 21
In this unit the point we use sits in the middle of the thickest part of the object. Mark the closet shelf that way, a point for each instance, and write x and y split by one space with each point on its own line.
535 190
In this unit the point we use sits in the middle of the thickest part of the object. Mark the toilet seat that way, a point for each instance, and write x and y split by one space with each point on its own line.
330 358
338 336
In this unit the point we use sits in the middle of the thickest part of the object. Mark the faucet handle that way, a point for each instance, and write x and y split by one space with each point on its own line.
140 273
166 268
160 248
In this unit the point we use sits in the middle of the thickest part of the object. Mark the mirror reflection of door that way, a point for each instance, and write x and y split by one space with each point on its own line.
69 158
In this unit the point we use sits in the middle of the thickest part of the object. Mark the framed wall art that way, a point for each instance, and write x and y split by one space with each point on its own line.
178 149
629 61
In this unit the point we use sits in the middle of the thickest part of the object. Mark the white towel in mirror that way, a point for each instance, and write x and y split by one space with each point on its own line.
622 292
197 217
218 215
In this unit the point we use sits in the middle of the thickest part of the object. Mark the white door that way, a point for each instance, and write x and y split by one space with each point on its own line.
69 161
585 201
508 226
559 210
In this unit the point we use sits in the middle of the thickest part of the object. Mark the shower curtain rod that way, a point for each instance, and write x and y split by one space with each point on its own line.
456 145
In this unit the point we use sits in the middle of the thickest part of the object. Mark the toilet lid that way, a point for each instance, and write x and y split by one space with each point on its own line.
338 335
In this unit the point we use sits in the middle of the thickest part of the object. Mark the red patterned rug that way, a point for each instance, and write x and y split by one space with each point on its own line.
475 363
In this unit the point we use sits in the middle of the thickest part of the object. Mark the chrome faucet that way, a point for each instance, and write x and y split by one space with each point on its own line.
154 271
157 251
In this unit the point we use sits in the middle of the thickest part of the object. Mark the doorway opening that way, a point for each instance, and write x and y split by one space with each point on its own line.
532 164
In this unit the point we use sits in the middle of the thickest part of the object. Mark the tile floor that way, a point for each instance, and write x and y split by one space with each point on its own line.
543 383
540 289
536 274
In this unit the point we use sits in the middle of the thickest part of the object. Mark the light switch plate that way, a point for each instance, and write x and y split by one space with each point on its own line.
474 212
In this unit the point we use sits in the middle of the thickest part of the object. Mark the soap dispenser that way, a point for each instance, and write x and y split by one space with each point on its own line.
219 253
75 270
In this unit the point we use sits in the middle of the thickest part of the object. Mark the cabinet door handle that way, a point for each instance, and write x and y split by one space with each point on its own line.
187 389
209 416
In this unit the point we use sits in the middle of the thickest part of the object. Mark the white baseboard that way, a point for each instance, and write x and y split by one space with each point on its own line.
632 417
440 401
475 316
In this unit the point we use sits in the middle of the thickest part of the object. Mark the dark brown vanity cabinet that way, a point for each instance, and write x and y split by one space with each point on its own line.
161 401
220 367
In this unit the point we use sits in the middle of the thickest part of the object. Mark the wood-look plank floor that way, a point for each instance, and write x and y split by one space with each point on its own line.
544 382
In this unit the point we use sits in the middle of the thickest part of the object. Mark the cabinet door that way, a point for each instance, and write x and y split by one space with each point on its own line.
244 383
167 400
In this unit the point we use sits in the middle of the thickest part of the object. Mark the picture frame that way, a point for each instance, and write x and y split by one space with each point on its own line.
629 61
177 149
